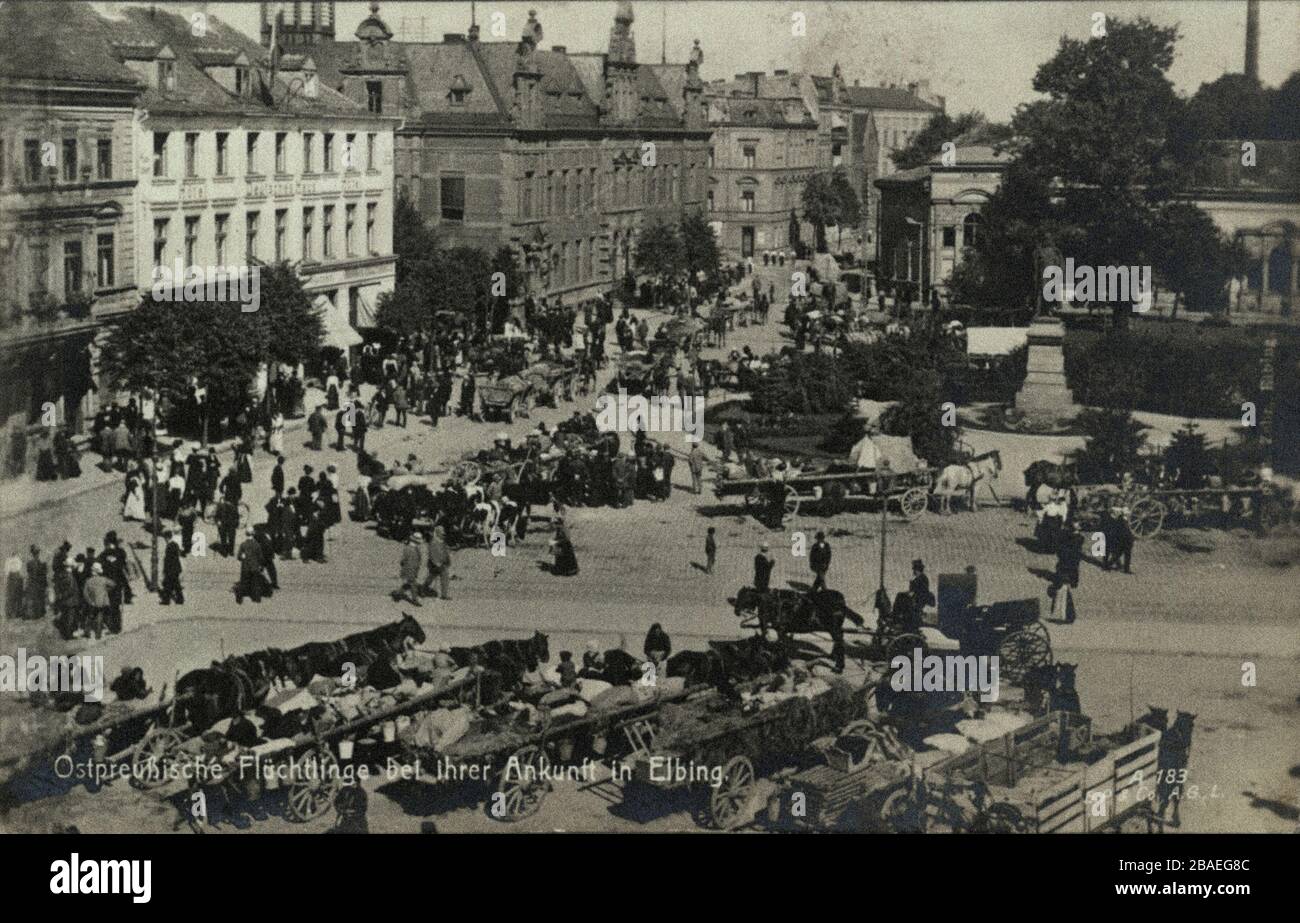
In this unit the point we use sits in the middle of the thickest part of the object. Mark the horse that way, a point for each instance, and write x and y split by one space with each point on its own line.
1175 751
751 657
509 659
962 479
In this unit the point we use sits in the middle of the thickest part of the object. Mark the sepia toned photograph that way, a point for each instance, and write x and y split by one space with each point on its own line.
677 417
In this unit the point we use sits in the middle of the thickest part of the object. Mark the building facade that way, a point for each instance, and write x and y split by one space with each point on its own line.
560 156
67 249
241 164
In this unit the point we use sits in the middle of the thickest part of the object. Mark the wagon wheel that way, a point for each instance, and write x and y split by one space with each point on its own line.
1022 651
1005 818
312 793
904 644
914 502
467 472
154 755
522 791
726 802
1145 517
901 813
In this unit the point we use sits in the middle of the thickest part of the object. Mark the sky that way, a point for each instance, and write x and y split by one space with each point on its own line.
978 55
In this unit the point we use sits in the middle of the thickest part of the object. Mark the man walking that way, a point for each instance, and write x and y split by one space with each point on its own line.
1066 579
250 569
710 550
316 426
763 564
439 559
820 561
172 570
409 570
695 461
97 592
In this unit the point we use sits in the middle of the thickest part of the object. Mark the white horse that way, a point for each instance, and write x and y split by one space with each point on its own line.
961 479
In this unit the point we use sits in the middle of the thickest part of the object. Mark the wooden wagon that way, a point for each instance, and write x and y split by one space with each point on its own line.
1147 510
550 381
832 490
505 398
717 749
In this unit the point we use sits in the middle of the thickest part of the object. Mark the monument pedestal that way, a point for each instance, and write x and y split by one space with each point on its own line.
1044 398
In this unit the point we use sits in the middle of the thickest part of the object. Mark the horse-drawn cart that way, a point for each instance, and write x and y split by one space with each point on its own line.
505 397
550 382
829 491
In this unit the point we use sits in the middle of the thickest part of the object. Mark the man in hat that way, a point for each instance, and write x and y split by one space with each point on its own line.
277 475
37 585
409 570
250 569
98 600
171 590
438 556
919 588
316 426
819 559
763 564
1066 578
695 461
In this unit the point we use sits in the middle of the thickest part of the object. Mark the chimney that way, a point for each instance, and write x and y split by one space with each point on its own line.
1252 39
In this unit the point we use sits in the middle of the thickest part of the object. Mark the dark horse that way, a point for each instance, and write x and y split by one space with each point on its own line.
726 662
508 660
1175 751
239 683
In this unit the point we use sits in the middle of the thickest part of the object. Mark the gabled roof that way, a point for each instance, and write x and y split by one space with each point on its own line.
63 43
886 98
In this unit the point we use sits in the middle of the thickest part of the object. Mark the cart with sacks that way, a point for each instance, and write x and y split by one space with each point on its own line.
506 397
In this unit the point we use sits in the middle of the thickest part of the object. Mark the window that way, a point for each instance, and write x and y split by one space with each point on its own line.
32 160
167 75
709 196
250 236
370 152
370 228
252 153
327 231
591 259
223 224
550 193
527 193
191 153
350 152
69 160
160 154
71 267
970 229
308 219
281 227
308 152
191 239
349 225
104 261
160 226
710 158
104 158
375 95
241 81
750 155
747 200
451 194
222 164
279 152
40 273
328 143
949 235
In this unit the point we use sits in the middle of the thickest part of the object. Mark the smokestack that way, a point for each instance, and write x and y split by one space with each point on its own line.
1252 39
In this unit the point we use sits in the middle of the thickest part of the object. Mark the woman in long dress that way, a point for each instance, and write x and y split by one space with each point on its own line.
133 501
275 441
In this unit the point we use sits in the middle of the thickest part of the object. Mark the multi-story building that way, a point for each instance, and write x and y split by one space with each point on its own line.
766 144
246 159
67 186
561 156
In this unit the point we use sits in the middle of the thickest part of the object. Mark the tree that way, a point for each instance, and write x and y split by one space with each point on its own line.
701 251
414 241
848 210
1284 103
660 254
967 128
820 206
1113 442
294 328
1233 106
1188 457
1192 258
916 414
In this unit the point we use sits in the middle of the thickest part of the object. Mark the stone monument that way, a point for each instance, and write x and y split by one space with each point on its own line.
1044 400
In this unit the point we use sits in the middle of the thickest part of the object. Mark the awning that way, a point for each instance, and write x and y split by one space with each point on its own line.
338 332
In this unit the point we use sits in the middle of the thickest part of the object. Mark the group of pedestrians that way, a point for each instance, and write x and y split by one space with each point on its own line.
84 592
431 549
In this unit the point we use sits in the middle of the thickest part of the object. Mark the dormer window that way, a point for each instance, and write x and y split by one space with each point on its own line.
375 96
241 81
459 90
167 75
